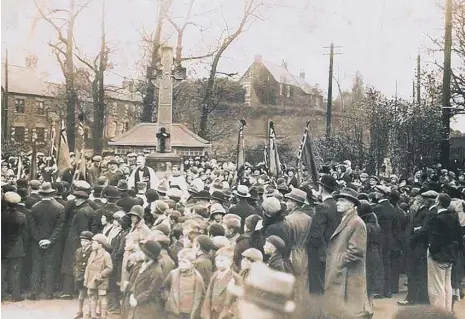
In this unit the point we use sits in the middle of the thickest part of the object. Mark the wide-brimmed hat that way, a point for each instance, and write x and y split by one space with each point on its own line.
151 249
298 195
328 181
267 288
242 191
46 188
219 196
162 188
349 194
203 195
217 209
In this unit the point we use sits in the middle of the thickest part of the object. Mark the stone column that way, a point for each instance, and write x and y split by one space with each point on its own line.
165 95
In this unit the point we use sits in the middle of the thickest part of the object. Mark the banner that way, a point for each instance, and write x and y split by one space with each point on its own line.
308 157
274 164
33 167
62 156
240 161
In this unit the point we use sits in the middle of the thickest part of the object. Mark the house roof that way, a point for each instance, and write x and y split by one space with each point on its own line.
27 81
282 75
144 134
30 81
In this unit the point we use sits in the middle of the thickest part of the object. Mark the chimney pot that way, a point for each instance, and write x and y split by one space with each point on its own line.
258 58
284 64
302 74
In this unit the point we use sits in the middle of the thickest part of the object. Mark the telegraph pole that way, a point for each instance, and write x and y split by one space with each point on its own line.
5 103
418 80
330 90
446 105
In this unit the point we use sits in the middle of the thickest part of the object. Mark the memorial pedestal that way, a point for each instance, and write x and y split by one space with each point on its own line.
162 163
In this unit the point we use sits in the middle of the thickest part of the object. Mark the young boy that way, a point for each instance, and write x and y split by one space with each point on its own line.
185 288
218 301
274 247
202 262
80 264
98 270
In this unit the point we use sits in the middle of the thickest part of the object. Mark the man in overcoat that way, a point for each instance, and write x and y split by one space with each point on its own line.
47 226
324 223
242 209
345 277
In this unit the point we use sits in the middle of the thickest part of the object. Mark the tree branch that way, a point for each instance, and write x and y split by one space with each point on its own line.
81 8
50 21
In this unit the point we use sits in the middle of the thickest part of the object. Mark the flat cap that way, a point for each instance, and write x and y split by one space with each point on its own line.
34 184
430 194
12 197
254 254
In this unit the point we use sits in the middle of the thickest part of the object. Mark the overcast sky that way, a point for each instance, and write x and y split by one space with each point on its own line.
378 38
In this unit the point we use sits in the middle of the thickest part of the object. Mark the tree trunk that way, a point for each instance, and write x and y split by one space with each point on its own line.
71 97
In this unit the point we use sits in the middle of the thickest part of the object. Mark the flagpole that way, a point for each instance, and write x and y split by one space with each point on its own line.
301 148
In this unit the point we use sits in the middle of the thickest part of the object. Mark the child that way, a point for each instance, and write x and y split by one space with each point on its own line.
274 247
202 262
96 276
185 287
218 300
80 264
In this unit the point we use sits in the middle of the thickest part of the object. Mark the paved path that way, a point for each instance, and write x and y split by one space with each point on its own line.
66 309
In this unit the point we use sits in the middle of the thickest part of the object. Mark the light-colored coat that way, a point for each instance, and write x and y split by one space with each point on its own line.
172 302
345 277
99 268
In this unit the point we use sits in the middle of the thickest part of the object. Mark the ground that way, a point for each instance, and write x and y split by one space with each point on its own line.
66 309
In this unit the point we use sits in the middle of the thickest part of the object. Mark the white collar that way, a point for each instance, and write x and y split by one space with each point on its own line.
442 210
382 200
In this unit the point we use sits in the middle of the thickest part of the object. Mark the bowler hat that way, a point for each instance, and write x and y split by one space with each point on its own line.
328 181
151 249
242 191
111 192
46 188
86 235
349 194
298 195
217 209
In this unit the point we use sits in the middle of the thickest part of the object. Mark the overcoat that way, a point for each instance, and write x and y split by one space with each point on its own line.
99 263
80 264
374 263
345 277
81 222
204 266
14 233
147 290
172 284
243 210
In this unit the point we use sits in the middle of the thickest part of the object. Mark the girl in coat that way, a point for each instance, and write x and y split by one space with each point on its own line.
145 298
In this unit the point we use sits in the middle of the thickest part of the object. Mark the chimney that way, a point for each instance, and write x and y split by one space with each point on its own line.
31 61
258 58
128 85
284 64
302 75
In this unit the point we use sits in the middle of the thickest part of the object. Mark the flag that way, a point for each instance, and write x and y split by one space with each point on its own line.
33 167
53 143
308 157
20 167
240 146
63 157
80 163
274 164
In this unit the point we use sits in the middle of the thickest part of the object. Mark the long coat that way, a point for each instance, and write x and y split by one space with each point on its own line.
99 263
147 291
345 277
81 222
14 233
243 210
172 284
204 266
374 263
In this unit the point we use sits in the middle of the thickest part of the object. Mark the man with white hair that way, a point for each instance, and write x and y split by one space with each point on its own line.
142 173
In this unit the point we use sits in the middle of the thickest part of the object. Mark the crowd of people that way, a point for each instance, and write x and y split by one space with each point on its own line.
207 242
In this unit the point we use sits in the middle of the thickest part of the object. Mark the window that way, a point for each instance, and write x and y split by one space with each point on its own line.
280 89
288 92
247 90
19 133
19 104
40 108
126 126
40 134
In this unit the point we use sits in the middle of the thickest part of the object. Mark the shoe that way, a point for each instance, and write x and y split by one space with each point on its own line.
17 299
49 297
78 315
404 303
32 297
66 297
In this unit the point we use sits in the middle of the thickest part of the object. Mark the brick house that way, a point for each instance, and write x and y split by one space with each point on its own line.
268 83
34 107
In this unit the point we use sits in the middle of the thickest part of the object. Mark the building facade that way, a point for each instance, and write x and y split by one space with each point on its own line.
267 83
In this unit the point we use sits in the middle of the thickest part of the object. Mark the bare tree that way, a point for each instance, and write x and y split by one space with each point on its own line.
250 14
64 52
339 82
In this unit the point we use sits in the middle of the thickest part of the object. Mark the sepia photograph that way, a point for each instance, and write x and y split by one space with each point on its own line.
232 159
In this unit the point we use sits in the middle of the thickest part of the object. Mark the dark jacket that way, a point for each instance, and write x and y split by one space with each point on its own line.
47 221
386 216
14 233
204 266
96 223
32 199
244 242
243 210
81 222
444 236
374 263
323 225
80 263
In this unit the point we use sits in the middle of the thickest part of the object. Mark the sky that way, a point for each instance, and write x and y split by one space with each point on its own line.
378 38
